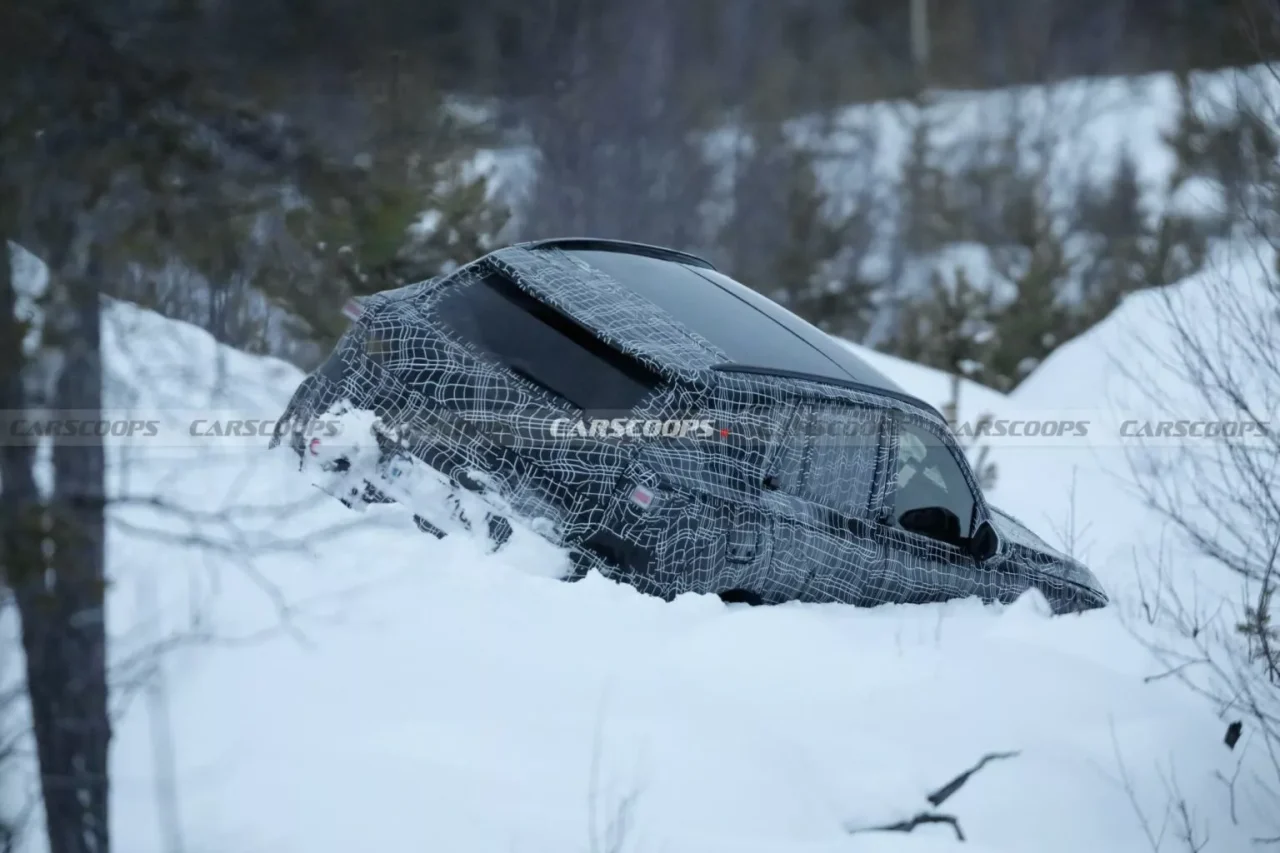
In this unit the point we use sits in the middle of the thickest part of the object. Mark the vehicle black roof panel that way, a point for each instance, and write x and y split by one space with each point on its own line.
749 328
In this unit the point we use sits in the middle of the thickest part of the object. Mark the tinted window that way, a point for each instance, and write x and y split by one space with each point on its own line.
544 346
755 424
928 477
845 443
830 456
749 328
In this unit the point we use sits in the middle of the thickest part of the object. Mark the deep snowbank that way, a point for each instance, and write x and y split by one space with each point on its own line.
386 691
337 682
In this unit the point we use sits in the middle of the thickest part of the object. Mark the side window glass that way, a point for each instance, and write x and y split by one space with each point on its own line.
829 456
790 458
752 435
931 495
844 442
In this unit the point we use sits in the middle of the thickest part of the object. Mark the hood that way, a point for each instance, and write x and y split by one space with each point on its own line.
1019 537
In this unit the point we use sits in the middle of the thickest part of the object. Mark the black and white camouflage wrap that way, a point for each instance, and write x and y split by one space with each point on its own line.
711 528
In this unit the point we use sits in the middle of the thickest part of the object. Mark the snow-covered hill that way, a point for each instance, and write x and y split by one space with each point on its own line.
335 682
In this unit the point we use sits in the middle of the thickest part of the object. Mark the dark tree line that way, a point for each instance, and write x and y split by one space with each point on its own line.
116 148
487 46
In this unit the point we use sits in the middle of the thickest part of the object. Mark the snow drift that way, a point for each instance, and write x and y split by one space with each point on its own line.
295 678
334 682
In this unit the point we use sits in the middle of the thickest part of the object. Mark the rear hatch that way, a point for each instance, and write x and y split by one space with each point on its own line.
553 406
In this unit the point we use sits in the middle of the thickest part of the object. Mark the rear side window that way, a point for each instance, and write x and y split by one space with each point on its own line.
545 347
830 455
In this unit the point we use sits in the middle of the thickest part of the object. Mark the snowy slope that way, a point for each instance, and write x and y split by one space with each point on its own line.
932 385
1127 367
335 682
388 692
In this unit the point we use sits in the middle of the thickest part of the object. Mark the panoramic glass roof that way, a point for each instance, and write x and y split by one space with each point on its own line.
751 329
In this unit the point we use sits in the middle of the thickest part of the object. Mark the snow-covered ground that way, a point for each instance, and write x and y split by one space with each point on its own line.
381 690
337 682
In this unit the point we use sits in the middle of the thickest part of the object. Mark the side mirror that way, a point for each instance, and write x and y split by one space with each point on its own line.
936 522
985 542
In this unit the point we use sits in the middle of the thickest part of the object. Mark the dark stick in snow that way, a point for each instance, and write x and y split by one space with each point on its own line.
936 799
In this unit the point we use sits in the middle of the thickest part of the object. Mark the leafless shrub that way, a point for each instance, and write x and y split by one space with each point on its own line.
1215 357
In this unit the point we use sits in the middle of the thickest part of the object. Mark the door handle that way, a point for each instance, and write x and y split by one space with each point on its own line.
772 482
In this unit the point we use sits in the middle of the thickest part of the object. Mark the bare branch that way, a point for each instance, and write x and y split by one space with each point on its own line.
944 793
935 799
911 823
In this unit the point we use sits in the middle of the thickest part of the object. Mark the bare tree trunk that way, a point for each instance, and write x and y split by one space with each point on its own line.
17 486
614 129
993 40
61 598
18 495
920 37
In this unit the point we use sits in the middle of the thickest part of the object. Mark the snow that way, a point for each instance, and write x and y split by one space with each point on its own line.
456 706
1072 132
933 386
31 287
387 691
1073 129
31 281
337 681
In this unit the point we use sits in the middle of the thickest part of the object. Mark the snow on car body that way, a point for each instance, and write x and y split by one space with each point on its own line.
673 429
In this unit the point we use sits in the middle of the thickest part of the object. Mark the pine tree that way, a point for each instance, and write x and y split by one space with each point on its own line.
950 327
817 272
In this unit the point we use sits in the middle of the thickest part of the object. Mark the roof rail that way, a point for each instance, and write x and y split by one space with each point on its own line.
598 244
